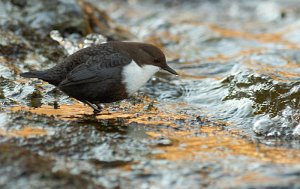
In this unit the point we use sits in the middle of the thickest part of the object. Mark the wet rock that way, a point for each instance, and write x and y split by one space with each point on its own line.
34 171
5 72
164 142
296 131
269 96
41 16
262 126
10 38
4 119
13 46
278 100
99 21
73 43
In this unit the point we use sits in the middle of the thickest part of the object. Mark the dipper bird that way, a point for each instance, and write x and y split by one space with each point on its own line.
105 73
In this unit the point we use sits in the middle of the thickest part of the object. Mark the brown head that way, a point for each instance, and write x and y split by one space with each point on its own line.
144 54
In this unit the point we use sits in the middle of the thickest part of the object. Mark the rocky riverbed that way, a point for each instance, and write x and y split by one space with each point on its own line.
230 120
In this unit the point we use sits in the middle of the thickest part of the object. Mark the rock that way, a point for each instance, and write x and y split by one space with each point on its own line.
43 16
262 126
296 131
73 43
100 22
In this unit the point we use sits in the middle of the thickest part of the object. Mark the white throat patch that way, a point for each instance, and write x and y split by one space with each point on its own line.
134 76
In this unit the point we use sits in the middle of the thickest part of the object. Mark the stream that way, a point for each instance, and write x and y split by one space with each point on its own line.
231 118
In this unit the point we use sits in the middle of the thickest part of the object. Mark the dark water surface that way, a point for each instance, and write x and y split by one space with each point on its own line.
230 120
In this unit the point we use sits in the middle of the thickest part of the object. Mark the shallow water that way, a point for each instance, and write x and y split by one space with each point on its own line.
230 120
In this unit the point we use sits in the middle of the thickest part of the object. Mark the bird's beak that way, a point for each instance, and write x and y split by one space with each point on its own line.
170 70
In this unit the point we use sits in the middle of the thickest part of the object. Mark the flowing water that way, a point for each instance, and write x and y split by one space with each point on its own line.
230 120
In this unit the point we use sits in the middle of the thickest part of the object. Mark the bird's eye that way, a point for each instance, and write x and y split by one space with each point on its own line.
156 60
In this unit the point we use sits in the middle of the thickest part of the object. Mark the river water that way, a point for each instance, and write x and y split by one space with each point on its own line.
230 119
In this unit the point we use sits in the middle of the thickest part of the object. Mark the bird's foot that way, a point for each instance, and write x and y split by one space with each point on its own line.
97 108
96 111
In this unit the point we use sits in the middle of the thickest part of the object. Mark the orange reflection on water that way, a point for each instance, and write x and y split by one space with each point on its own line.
215 143
24 132
262 37
130 113
210 142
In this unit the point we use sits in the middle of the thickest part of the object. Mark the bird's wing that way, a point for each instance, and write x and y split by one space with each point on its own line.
97 68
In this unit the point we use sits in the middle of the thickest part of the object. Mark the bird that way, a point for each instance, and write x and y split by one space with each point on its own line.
106 72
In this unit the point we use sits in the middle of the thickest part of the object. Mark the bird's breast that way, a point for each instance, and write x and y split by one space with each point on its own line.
134 76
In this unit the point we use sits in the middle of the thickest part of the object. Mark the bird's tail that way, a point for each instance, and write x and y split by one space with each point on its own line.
34 74
43 75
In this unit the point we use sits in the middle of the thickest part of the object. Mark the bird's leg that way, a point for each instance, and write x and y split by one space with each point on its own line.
97 109
100 106
103 106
